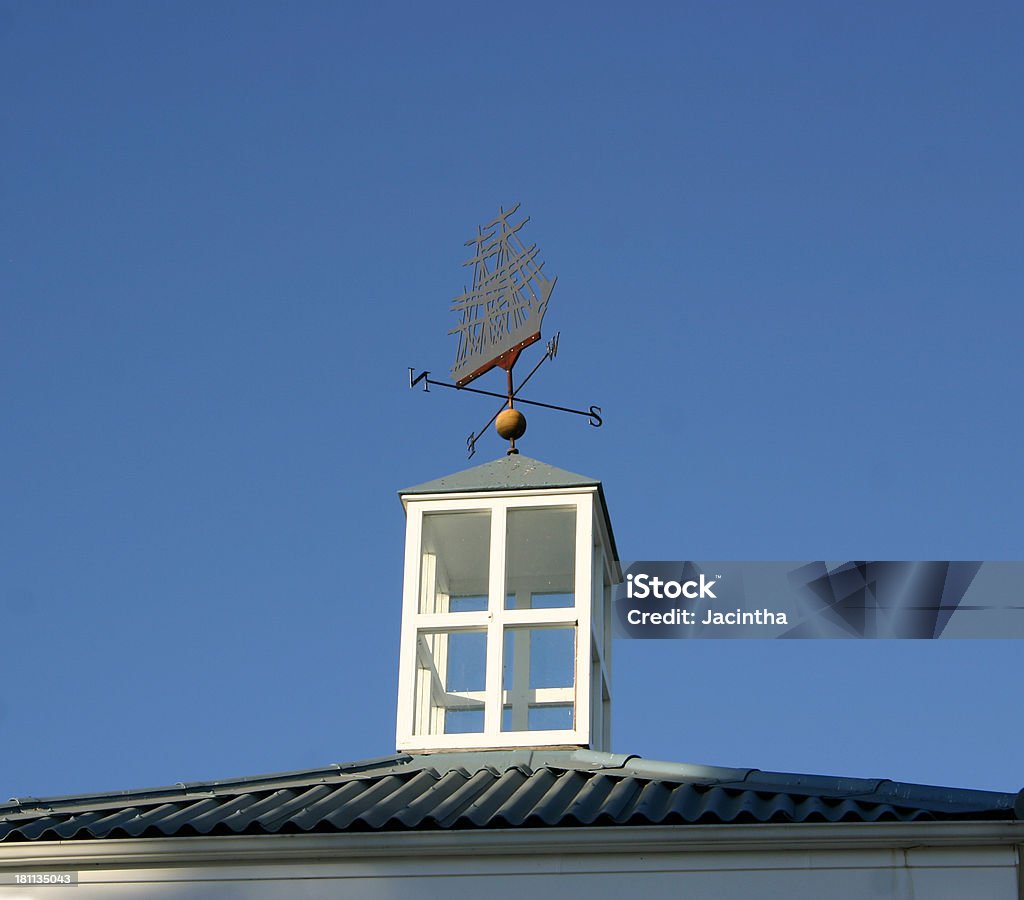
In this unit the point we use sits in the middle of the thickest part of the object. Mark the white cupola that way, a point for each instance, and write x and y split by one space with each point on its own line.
506 610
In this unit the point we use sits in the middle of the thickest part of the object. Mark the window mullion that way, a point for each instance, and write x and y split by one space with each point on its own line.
584 607
496 607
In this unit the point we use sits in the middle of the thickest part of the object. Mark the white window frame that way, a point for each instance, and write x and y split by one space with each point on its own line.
591 643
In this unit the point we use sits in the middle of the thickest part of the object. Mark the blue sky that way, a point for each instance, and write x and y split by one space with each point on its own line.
789 254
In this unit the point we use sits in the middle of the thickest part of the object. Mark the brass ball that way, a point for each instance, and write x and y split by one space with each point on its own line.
511 424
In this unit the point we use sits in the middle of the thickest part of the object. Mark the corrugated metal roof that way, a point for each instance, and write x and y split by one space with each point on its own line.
515 472
500 789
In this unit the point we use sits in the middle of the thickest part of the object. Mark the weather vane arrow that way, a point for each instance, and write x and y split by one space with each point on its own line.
500 316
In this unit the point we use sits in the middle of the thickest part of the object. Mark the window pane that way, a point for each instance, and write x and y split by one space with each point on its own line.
455 562
538 678
541 718
464 721
551 718
458 603
541 558
451 671
540 601
467 660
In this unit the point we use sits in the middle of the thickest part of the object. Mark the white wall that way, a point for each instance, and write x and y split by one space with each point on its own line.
956 873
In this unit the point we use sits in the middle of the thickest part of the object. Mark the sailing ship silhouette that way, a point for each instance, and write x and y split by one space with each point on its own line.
501 314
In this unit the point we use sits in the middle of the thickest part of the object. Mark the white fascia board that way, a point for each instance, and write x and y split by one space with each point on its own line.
483 496
674 839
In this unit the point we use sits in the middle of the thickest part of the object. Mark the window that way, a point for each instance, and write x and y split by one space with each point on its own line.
498 646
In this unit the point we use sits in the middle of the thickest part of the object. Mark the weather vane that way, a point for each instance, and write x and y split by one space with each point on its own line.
500 316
